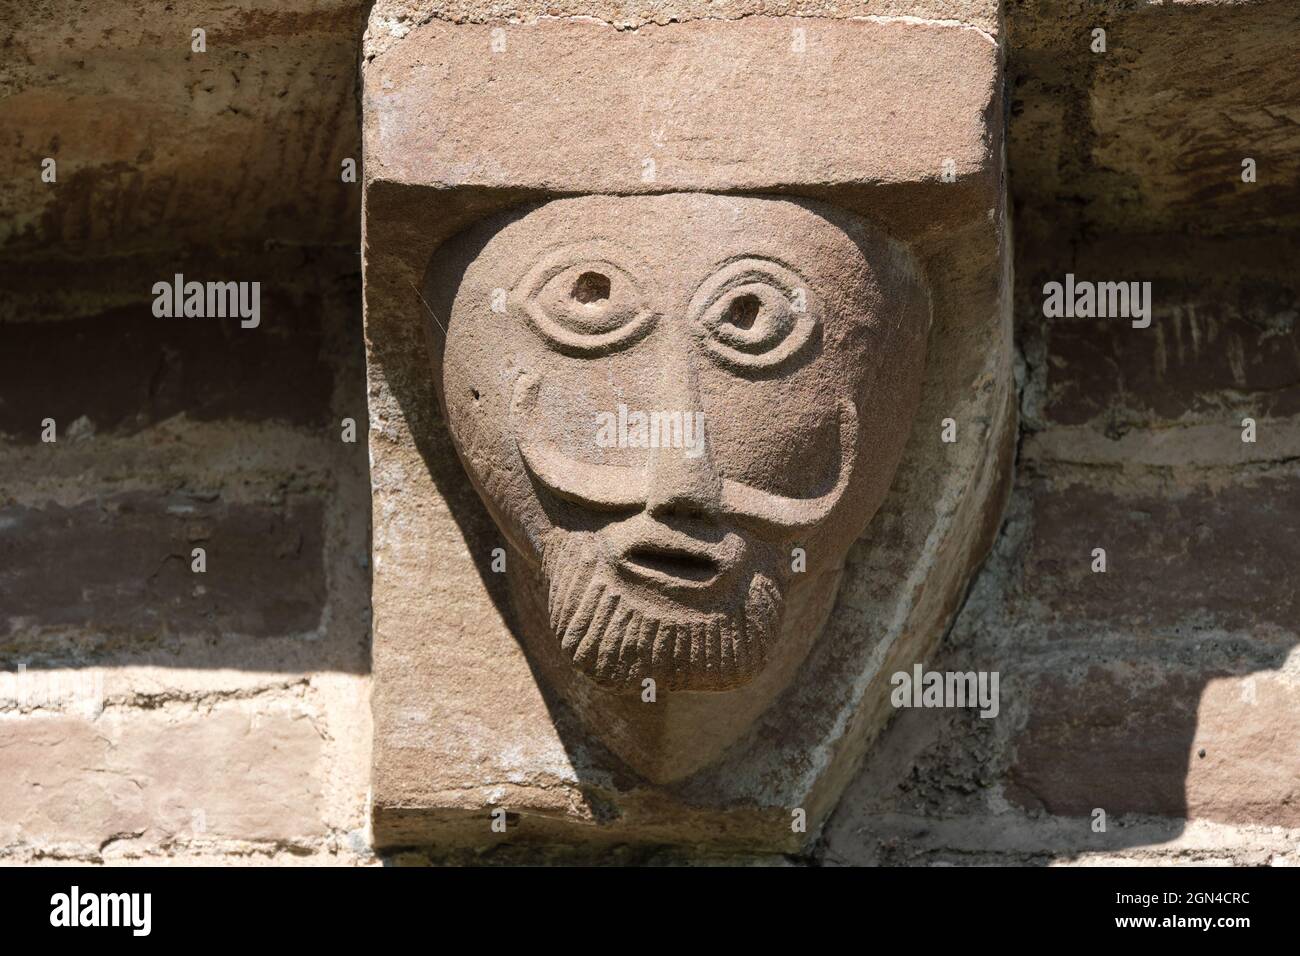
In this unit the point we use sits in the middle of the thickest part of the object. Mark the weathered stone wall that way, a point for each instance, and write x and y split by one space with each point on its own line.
1167 690
235 721
163 713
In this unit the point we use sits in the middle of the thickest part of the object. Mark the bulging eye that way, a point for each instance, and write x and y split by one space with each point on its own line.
753 314
584 305
752 318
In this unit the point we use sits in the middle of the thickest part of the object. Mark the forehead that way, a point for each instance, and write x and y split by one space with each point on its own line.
677 236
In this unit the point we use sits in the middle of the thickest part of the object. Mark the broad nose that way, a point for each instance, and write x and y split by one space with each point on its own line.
683 478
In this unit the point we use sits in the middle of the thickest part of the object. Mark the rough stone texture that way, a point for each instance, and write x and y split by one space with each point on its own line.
1149 136
1161 742
1223 343
1119 167
394 18
231 774
1171 557
1126 166
463 722
155 142
123 563
717 107
240 699
795 425
1101 708
126 373
221 716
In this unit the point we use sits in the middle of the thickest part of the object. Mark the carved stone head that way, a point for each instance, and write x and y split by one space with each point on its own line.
681 410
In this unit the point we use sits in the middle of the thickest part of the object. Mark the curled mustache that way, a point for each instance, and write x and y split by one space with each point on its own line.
619 488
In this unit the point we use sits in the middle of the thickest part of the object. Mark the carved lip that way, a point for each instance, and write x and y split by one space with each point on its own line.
676 564
661 555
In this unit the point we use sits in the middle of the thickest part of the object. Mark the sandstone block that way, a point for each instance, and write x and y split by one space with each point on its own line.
711 160
160 776
121 569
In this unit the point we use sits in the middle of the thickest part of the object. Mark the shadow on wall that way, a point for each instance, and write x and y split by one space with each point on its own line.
188 433
199 504
1119 722
150 158
1146 692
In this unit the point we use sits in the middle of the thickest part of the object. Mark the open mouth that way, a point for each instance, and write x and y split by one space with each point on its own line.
672 563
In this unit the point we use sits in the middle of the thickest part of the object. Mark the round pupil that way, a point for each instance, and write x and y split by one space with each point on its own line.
743 311
591 287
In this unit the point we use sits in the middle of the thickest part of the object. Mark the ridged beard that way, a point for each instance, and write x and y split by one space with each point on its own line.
618 637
